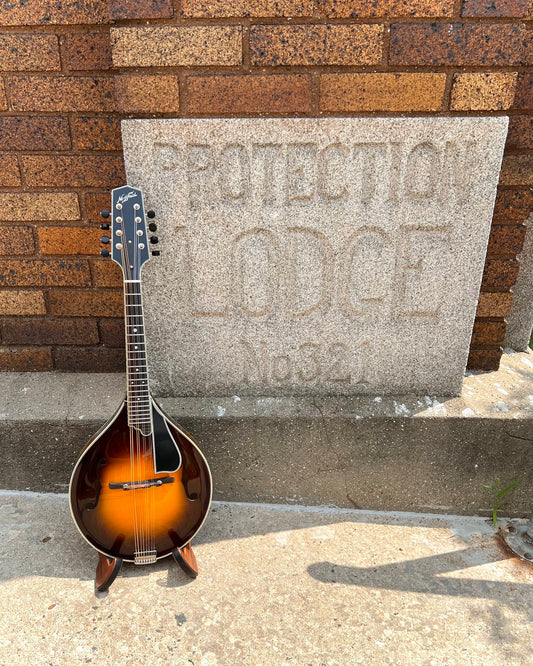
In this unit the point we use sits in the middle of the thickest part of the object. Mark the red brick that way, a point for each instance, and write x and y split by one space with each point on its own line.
517 170
29 52
247 8
457 44
494 305
94 204
316 45
9 171
74 170
176 46
97 133
484 359
520 135
524 92
34 133
69 240
385 8
107 273
382 92
16 240
506 240
70 303
44 273
48 332
496 8
528 49
140 9
488 333
112 332
29 206
95 359
147 93
86 50
25 360
483 91
499 274
242 94
62 93
512 205
3 98
20 302
45 12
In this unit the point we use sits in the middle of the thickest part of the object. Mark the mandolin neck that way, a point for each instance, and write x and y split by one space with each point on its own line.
138 391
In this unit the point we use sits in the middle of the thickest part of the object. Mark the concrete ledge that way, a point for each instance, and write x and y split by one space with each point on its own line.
417 453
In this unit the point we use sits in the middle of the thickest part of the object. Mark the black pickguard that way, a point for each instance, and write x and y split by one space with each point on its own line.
167 453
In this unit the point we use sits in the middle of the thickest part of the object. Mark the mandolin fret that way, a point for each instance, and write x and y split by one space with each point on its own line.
138 391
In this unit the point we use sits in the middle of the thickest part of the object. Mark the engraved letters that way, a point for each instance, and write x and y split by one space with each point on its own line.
295 273
271 270
296 174
309 363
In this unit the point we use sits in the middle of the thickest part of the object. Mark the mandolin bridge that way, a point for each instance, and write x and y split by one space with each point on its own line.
134 485
145 556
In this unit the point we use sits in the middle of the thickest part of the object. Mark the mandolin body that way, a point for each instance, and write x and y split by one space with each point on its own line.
138 496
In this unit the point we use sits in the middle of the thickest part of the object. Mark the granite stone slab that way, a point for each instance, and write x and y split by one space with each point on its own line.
520 321
328 256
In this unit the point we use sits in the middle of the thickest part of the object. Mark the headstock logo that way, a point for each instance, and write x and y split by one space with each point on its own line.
124 197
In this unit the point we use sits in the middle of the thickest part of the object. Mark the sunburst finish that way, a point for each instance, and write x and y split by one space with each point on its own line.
120 522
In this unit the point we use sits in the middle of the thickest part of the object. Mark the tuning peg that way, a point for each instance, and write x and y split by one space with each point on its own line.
152 226
105 213
105 252
155 253
154 240
104 226
105 240
151 214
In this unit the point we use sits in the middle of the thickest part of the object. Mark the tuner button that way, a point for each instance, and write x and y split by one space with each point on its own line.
151 214
105 240
154 239
104 226
105 252
155 253
105 213
152 226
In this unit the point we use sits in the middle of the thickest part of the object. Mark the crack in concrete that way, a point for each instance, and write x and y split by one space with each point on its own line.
342 470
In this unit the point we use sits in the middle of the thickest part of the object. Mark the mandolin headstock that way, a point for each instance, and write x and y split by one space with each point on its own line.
130 245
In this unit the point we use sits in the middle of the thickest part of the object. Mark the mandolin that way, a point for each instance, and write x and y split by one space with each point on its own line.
141 488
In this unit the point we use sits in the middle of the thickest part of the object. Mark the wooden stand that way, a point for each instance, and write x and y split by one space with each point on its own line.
108 567
106 571
186 558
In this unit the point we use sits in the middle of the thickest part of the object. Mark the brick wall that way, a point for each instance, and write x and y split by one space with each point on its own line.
71 69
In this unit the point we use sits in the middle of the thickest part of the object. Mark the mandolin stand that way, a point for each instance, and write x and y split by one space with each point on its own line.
109 567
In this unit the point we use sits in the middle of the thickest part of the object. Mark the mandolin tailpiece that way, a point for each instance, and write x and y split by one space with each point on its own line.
145 557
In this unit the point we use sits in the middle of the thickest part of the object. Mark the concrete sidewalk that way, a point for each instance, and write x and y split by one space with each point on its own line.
277 585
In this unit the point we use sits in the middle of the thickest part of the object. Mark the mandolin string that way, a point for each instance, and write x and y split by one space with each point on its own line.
127 271
140 408
147 448
148 440
125 265
138 435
